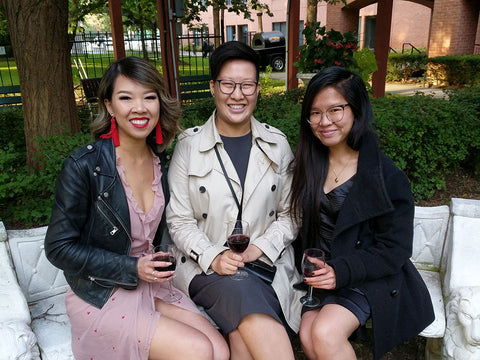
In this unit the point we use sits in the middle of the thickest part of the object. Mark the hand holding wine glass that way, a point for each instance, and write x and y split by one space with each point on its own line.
238 238
309 265
168 256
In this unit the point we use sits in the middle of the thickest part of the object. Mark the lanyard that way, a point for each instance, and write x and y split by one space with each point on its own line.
239 203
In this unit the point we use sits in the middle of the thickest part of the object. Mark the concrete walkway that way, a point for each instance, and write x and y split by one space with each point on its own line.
392 88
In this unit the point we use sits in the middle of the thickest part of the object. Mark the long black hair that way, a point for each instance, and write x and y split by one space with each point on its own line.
310 166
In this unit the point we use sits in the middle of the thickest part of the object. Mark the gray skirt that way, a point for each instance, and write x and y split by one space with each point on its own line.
227 301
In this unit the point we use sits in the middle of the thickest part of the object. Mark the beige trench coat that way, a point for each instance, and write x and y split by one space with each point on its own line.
201 203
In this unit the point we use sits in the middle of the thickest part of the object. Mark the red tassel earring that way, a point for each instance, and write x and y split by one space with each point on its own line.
113 133
158 133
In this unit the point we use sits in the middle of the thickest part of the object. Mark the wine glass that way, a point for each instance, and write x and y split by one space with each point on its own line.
308 267
169 256
238 237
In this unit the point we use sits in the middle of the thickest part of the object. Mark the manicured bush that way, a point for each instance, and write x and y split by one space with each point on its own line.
457 70
401 67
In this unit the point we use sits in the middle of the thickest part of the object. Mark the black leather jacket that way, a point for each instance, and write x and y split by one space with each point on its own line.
89 232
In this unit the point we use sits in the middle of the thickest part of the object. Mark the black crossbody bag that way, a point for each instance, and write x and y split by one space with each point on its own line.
258 268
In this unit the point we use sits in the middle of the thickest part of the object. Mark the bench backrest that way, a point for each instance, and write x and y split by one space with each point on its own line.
37 277
10 95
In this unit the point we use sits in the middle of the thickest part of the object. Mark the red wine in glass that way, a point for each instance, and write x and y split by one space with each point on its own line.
238 238
168 256
238 243
308 268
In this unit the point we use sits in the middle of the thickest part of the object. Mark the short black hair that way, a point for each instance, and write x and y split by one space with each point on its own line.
229 51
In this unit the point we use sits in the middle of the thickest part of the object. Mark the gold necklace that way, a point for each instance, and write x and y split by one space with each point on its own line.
340 173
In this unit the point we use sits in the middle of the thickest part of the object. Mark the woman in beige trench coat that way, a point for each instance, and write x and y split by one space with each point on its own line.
256 315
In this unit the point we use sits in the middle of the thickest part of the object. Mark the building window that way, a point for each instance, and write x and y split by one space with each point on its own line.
231 33
242 31
280 26
370 23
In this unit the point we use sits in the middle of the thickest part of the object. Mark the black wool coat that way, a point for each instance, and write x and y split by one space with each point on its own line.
372 246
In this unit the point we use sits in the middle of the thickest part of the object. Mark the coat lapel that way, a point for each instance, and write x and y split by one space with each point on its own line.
368 197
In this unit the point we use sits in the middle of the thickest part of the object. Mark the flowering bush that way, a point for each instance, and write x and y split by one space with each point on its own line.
323 49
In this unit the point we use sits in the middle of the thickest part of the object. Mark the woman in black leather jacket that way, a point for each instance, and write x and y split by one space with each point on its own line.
107 216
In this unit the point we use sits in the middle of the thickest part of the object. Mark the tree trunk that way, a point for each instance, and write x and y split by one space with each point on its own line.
39 34
216 25
312 11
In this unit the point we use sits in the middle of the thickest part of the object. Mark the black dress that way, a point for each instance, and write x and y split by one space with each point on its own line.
351 298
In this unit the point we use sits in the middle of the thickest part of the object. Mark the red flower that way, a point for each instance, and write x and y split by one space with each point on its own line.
338 63
318 61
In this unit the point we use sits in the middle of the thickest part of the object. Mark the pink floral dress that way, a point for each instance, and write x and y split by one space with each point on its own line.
124 326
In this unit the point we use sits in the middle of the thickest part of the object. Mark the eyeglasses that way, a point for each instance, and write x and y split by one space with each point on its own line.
228 87
334 114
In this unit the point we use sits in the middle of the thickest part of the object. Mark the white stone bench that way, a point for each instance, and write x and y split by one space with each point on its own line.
33 323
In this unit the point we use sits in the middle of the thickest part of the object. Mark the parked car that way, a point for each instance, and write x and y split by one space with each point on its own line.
271 48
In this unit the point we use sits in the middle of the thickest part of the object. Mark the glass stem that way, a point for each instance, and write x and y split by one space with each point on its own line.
310 292
170 287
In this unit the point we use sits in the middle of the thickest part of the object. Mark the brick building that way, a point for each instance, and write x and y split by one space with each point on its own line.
442 26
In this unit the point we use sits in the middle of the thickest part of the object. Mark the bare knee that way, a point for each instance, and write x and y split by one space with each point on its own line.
201 348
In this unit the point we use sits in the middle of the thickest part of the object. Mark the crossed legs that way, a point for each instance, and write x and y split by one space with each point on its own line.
324 333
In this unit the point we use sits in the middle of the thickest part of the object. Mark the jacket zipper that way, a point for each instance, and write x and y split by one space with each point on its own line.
112 232
114 228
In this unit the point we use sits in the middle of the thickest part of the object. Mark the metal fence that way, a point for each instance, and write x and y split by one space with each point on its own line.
92 53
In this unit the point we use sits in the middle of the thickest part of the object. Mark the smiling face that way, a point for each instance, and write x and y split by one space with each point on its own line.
331 135
136 109
234 110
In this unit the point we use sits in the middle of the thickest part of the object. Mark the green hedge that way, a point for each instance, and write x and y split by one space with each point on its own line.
455 69
401 67
425 136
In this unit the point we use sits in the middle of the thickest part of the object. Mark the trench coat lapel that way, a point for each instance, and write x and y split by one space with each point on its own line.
262 157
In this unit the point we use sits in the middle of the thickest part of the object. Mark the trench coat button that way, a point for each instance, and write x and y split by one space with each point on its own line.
202 189
394 293
274 187
204 215
271 213
267 126
168 157
195 129
183 259
358 244
89 147
106 194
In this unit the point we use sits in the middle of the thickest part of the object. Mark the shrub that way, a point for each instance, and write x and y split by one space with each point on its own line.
454 70
426 137
27 197
401 67
323 49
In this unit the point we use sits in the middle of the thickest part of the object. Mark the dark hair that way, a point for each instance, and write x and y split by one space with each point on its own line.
146 74
229 51
310 166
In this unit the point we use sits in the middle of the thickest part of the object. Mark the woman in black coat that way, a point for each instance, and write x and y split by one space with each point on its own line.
357 206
